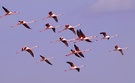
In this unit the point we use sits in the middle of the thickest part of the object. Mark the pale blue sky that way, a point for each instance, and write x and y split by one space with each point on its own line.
111 16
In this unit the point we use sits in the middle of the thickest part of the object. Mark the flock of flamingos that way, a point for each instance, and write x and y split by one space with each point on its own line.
80 37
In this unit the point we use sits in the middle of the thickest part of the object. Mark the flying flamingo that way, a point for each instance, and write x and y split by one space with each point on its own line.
48 26
107 36
25 48
117 48
72 28
43 58
73 67
77 51
64 40
54 16
82 37
21 22
8 12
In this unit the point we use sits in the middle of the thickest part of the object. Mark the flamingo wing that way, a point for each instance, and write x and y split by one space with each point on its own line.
78 69
65 42
70 63
121 51
103 33
81 33
54 30
73 30
55 18
42 57
48 61
88 40
76 48
81 54
5 9
30 51
26 26
78 34
77 55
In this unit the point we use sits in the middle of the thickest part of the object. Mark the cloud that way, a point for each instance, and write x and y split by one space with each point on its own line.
111 5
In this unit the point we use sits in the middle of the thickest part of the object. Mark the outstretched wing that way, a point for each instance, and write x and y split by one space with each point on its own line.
48 62
77 55
26 26
73 30
55 18
76 48
81 54
42 57
54 30
121 51
78 69
30 51
78 34
70 63
82 34
5 9
65 42
103 33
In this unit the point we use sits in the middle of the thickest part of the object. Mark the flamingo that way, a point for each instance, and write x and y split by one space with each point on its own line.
117 48
48 26
21 22
8 12
28 49
64 40
107 36
54 16
73 67
77 51
46 59
82 37
72 28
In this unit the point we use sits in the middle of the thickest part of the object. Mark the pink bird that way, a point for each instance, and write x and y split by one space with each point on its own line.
64 40
48 26
82 37
21 22
8 12
107 36
54 16
117 48
25 48
72 28
77 52
73 67
43 58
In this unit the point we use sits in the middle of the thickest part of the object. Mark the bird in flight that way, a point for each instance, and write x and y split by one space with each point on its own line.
77 52
73 67
64 40
117 48
105 36
24 23
8 12
48 26
72 28
52 15
28 49
82 37
43 58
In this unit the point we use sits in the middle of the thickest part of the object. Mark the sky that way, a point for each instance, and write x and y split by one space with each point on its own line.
95 16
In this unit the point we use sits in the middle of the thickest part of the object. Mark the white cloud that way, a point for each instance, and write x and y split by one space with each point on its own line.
112 5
